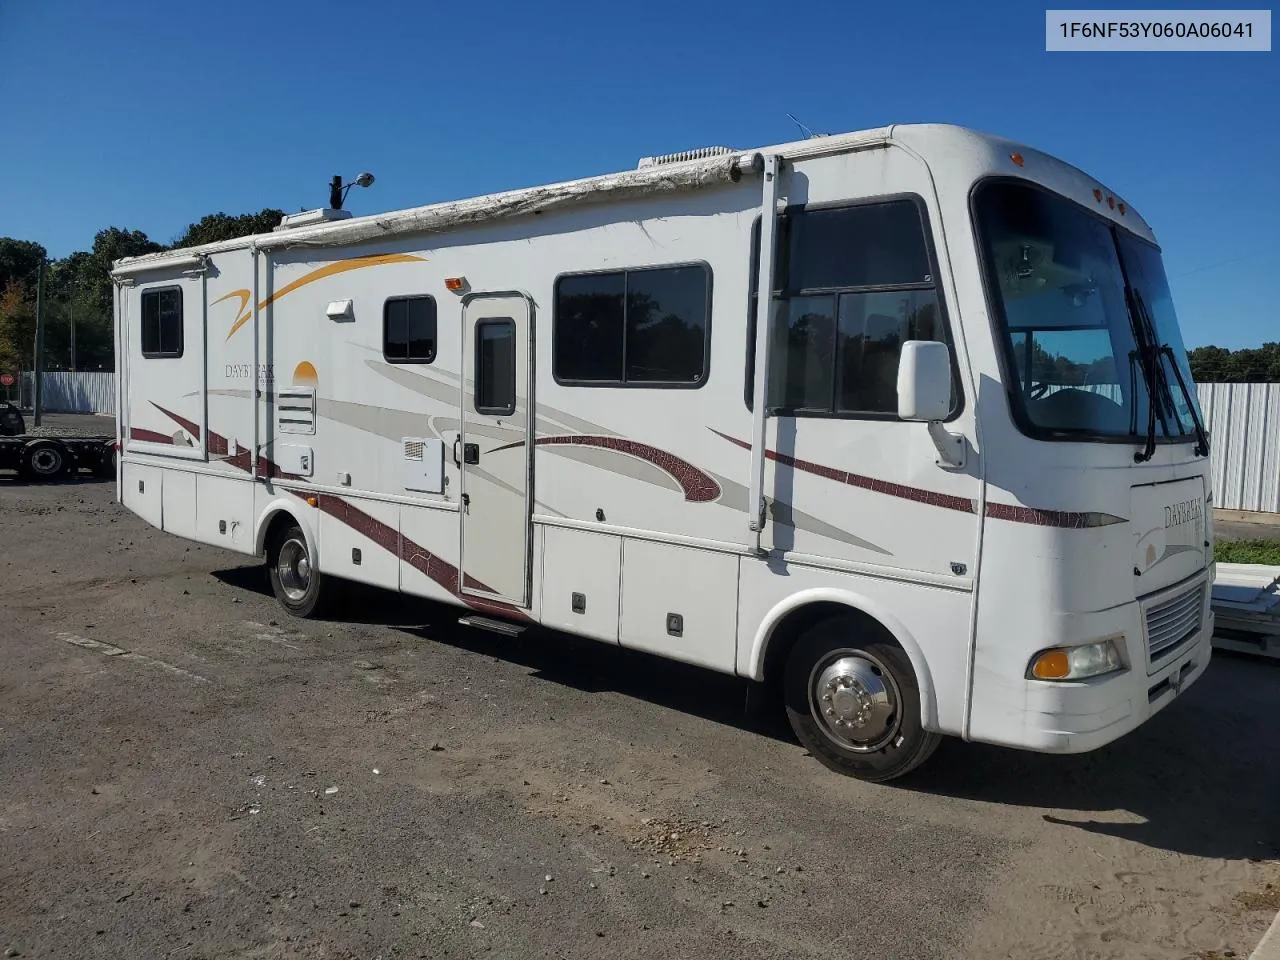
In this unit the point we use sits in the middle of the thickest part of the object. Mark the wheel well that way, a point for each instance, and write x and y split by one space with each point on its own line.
280 521
795 622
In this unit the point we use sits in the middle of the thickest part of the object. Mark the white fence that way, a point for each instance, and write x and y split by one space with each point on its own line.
84 391
1243 421
1244 441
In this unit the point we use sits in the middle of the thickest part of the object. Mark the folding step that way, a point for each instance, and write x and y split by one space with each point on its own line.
506 628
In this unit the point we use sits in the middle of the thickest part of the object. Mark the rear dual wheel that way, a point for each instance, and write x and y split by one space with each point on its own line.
43 460
853 700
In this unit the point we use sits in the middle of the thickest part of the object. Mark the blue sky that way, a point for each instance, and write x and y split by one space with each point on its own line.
149 115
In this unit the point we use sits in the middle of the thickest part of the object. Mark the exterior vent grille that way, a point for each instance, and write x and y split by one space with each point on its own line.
413 450
1172 622
701 153
296 410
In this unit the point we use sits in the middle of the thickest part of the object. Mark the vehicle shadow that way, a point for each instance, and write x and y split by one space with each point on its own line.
582 664
1202 778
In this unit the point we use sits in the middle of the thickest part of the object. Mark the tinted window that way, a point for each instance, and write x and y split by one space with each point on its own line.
872 244
495 386
803 353
589 327
872 329
409 329
837 352
633 327
162 323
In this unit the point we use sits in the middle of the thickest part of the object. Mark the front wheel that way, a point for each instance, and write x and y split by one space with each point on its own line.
854 702
298 585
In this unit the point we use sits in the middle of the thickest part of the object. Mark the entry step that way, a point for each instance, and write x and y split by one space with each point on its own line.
493 625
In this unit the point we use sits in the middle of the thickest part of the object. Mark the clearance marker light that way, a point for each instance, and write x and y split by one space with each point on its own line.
1120 207
1111 202
313 501
1097 195
455 283
1016 158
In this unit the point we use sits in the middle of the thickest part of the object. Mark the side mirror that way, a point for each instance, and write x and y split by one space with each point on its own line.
924 381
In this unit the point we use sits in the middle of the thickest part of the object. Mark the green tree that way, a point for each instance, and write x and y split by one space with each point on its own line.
221 226
1249 365
17 328
19 261
94 270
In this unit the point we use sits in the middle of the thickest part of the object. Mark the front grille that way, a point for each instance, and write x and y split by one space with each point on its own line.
1172 622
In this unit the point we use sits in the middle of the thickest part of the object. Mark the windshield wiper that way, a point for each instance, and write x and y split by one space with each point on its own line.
1138 359
1202 435
1153 354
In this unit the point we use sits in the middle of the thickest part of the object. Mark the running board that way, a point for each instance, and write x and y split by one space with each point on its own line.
504 627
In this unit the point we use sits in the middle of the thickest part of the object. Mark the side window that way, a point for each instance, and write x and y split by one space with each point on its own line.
409 329
162 323
495 389
852 284
644 327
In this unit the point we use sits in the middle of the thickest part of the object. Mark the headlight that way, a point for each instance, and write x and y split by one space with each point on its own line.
1076 663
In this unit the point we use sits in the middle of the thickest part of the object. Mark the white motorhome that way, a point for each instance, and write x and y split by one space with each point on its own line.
948 477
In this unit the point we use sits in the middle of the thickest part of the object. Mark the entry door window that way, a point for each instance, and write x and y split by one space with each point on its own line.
495 389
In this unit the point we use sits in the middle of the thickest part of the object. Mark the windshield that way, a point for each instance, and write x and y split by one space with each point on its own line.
1070 326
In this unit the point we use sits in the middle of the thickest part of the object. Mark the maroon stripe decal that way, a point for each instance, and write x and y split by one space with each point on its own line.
417 556
1050 518
698 487
997 511
384 535
149 436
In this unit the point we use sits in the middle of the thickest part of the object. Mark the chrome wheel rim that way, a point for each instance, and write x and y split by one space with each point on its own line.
293 567
855 701
45 461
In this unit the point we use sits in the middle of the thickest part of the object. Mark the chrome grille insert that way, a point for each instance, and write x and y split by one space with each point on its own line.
1172 622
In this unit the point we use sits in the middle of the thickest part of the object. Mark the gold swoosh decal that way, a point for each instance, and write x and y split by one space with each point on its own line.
244 314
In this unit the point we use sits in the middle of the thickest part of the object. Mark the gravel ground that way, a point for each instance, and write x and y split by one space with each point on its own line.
187 772
70 425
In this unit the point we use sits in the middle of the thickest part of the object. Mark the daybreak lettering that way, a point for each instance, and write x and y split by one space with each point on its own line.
1177 514
244 371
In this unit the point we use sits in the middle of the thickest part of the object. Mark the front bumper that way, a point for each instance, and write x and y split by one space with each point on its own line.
1079 716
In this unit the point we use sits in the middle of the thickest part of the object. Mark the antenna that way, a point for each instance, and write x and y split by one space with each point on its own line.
808 134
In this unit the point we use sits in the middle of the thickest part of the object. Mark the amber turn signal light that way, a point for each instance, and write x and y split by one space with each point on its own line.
1052 665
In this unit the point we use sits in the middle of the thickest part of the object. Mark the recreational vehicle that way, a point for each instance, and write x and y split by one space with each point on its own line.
897 424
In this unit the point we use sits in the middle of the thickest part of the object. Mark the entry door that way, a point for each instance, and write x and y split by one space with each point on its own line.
494 449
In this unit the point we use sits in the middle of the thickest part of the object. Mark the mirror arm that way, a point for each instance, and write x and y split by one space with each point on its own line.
951 446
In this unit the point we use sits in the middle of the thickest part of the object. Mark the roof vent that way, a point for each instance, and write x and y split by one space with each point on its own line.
309 218
701 153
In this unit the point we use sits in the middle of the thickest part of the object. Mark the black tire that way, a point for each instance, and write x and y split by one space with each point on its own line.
878 709
106 461
43 460
309 595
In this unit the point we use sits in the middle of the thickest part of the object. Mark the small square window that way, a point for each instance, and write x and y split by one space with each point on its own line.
409 329
162 323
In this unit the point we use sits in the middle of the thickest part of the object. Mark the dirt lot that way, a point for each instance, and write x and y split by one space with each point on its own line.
185 772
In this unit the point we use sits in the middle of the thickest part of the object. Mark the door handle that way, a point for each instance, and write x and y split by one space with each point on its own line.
471 453
456 440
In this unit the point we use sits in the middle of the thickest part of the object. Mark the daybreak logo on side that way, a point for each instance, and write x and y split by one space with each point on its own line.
1176 514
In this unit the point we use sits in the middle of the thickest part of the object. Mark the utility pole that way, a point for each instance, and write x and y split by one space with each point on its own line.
38 365
72 307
